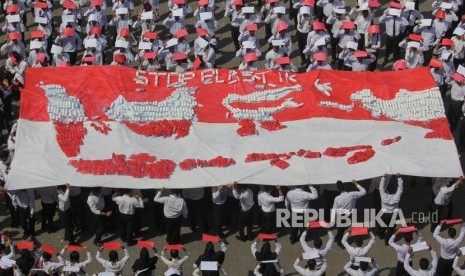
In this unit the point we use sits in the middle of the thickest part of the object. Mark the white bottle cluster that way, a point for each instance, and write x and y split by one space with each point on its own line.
62 107
261 113
422 105
346 107
178 106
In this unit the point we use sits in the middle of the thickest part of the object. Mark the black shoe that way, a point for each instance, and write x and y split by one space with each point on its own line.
25 236
97 243
341 245
131 243
239 238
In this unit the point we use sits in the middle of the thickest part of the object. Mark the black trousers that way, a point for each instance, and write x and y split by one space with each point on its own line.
48 212
294 236
77 212
235 36
67 223
268 222
100 221
455 113
14 214
400 270
386 232
442 213
444 267
218 215
173 230
392 46
197 211
245 221
27 222
72 57
302 43
127 228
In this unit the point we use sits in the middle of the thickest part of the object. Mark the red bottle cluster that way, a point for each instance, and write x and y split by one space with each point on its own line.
70 137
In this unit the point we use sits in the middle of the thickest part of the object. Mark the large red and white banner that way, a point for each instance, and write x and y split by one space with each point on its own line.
118 127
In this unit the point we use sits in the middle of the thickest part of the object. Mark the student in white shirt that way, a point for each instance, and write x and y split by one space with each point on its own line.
209 255
64 210
364 270
175 261
75 262
245 196
49 266
455 265
449 247
174 209
267 203
265 254
344 205
424 264
127 205
359 250
318 246
390 194
297 201
443 199
113 265
310 269
402 250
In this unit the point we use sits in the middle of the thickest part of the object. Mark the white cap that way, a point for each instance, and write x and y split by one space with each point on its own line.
13 18
426 22
364 7
144 45
445 55
172 42
178 12
304 10
92 17
320 42
413 44
248 44
122 11
394 12
67 18
35 44
56 49
277 42
206 16
147 15
459 31
202 43
352 45
410 6
340 10
281 10
446 6
90 43
40 20
121 44
461 70
246 10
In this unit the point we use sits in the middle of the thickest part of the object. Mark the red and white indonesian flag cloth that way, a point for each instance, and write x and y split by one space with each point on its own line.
114 126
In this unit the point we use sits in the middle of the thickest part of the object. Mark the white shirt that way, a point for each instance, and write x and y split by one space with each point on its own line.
267 201
245 198
323 252
420 272
297 199
80 265
345 202
402 250
63 200
444 195
127 205
219 197
173 207
96 203
369 272
117 268
449 246
460 272
307 272
10 256
23 199
358 251
390 202
52 267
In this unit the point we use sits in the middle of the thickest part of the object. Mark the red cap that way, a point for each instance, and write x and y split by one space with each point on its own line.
263 236
96 3
202 2
124 32
272 1
360 54
374 4
453 221
210 238
179 56
250 57
179 2
112 245
14 36
318 25
41 5
146 244
435 63
96 30
309 3
49 249
25 245
373 29
12 9
321 56
395 5
407 229
177 247
281 26
148 55
316 224
399 65
346 24
440 15
447 42
414 37
71 248
181 33
64 64
41 57
237 3
459 78
283 60
359 231
69 5
201 32
37 34
68 32
120 58
251 27
90 59
151 35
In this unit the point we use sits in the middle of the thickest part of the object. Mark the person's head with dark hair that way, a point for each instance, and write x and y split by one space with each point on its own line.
16 56
144 254
451 232
176 192
61 188
74 257
265 253
174 254
391 188
317 243
311 264
340 186
363 266
209 251
46 256
73 274
4 155
269 189
25 262
113 256
424 263
96 191
359 242
408 237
